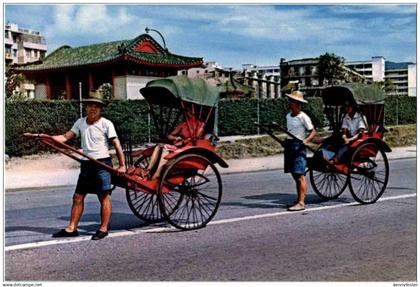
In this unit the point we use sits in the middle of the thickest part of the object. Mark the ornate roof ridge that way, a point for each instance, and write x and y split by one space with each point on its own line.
102 53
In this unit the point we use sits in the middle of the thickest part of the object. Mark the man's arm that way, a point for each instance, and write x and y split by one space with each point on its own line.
310 137
120 155
64 137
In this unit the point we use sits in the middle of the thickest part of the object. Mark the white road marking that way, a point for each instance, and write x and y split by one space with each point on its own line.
215 222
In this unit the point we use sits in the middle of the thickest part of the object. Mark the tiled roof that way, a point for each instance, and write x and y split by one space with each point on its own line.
67 57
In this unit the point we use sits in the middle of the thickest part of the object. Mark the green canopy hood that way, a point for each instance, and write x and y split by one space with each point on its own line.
359 93
169 91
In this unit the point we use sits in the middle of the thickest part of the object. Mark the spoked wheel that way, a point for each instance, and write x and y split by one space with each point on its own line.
190 192
369 172
328 184
144 205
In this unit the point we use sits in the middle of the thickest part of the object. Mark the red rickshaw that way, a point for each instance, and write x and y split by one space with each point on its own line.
189 191
365 167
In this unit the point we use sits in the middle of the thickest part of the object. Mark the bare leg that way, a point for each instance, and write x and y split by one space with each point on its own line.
76 211
301 188
162 163
106 210
154 158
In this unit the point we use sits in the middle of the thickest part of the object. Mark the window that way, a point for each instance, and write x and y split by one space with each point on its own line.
6 34
8 50
301 71
14 53
28 53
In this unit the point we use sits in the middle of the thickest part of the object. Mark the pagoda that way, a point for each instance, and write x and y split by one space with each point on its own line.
127 65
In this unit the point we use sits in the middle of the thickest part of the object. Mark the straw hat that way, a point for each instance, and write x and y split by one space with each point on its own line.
95 96
297 96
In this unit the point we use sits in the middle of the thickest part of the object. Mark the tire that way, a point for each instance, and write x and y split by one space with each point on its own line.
189 197
144 205
328 184
369 173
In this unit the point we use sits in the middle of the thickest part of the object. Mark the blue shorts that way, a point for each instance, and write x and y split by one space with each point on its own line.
294 157
93 178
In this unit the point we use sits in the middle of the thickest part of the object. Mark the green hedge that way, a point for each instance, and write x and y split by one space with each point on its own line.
400 110
56 117
236 117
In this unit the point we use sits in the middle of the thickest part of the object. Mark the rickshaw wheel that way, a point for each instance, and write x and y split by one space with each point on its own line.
369 172
328 184
189 197
144 205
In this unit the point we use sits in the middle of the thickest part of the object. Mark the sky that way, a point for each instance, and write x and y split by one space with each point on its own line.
233 34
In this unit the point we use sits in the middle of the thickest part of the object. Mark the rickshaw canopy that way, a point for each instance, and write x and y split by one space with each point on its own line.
361 94
169 91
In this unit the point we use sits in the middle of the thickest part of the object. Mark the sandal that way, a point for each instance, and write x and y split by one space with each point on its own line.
297 207
100 235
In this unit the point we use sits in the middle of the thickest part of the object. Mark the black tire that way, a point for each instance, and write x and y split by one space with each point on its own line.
192 203
328 184
369 173
144 205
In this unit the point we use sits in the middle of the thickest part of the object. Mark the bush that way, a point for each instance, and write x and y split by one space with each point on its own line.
236 117
400 110
57 117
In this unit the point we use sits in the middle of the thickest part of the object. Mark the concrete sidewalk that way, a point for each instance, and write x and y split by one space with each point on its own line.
61 171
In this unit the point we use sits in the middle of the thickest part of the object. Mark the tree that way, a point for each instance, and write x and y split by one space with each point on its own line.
330 68
13 83
106 89
387 85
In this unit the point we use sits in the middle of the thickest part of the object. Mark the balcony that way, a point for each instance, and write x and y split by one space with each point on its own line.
35 46
8 41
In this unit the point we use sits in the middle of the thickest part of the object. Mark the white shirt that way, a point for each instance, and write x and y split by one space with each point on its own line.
353 125
95 137
299 125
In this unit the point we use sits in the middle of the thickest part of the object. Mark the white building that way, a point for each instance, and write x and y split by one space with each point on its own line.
403 75
264 79
373 70
23 45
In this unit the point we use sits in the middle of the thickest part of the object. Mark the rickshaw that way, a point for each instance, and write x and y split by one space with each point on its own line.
189 191
365 167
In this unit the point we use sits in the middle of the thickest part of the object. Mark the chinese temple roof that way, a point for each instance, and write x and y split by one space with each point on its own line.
143 50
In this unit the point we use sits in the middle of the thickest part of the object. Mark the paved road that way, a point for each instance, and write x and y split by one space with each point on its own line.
332 241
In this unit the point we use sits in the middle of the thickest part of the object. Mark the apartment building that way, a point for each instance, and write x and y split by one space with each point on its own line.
403 76
265 80
304 73
23 45
372 70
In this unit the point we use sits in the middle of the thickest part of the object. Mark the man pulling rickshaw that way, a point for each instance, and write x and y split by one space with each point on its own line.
188 191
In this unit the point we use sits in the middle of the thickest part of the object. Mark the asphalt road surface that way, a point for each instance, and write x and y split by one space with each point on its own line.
251 238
